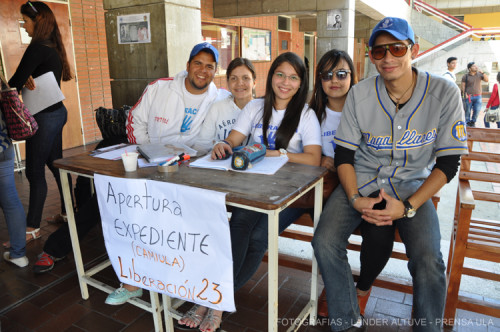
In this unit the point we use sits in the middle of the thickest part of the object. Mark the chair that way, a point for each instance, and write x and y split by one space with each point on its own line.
474 237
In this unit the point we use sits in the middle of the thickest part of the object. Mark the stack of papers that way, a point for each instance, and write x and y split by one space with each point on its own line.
268 165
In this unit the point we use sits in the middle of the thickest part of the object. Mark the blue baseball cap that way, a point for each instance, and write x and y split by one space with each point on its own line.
207 47
397 27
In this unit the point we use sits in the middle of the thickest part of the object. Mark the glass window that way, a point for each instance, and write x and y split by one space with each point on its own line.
226 39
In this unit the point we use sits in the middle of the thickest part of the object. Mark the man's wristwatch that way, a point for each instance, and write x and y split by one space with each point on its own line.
410 211
283 152
354 198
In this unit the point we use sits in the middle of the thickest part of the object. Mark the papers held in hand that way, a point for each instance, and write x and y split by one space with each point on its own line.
159 152
46 93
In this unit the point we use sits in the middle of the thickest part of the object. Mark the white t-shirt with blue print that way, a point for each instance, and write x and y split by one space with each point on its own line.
191 106
328 130
250 122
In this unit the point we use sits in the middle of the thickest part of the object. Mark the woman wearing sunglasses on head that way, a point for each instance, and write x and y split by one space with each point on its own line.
45 53
287 126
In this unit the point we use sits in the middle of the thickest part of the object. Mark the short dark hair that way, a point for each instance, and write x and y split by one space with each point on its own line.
450 59
498 76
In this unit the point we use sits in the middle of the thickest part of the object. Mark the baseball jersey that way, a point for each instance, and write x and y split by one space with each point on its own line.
250 122
396 151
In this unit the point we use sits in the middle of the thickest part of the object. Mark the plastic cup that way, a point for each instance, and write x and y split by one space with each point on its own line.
130 161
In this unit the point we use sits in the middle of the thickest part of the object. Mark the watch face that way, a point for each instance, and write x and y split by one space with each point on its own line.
411 213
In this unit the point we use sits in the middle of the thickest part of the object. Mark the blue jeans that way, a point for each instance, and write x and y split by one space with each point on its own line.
42 149
11 205
486 123
249 234
474 103
421 237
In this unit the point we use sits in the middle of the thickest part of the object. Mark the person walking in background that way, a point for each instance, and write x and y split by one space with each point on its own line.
452 64
10 203
472 92
45 53
493 102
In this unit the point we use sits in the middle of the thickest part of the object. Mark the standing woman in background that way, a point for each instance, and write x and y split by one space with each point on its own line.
44 54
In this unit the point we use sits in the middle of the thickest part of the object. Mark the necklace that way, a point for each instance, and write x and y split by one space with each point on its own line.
404 93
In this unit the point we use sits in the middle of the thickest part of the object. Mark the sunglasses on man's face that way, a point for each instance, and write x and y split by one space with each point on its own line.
340 74
397 49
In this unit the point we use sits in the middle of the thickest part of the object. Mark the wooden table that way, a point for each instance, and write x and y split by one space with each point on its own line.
268 194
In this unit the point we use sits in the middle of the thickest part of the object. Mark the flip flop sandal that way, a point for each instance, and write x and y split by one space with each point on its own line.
214 322
193 316
33 233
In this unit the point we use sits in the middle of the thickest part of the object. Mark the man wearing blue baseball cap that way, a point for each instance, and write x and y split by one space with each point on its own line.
172 110
399 141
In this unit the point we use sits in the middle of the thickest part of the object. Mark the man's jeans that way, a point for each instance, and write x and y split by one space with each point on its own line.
249 234
11 205
421 237
474 103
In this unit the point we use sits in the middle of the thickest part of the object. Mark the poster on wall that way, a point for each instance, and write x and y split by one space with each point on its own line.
256 44
134 29
334 20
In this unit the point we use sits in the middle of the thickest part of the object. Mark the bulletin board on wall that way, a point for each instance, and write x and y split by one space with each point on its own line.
256 44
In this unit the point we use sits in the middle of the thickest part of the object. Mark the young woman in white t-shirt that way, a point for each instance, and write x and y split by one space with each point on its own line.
222 115
286 125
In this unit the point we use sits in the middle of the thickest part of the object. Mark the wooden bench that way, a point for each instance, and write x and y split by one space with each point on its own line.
396 284
475 237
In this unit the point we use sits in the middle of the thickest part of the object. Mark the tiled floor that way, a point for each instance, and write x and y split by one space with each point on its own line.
52 301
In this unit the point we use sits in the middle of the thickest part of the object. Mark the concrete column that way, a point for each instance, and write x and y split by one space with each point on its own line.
175 29
342 39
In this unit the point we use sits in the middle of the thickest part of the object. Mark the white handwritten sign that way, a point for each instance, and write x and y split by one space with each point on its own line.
168 238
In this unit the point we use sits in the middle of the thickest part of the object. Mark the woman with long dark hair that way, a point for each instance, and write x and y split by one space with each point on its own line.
45 53
287 126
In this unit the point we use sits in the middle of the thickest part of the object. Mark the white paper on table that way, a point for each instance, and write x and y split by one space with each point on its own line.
268 165
144 163
46 93
117 153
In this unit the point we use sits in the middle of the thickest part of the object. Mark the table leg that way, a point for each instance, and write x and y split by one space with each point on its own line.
167 306
68 203
156 311
318 207
273 226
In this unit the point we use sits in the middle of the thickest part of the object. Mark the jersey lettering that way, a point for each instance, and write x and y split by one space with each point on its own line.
378 142
412 139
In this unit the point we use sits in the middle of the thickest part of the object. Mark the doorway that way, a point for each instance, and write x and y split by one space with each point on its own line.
309 58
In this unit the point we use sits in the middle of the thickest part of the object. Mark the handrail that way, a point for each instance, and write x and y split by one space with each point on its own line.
443 15
455 39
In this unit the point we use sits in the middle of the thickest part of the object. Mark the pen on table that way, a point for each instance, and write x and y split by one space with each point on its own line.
172 160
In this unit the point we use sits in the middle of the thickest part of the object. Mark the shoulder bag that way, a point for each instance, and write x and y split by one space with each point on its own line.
20 123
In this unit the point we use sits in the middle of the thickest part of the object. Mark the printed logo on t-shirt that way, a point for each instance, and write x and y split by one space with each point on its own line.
189 114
